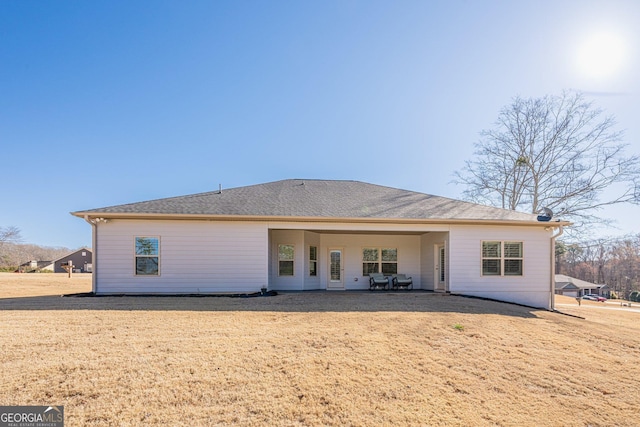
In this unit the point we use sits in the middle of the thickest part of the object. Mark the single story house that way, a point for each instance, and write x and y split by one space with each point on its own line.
301 234
34 265
82 261
572 287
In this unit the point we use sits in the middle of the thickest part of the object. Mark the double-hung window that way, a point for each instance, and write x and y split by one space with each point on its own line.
285 260
313 260
379 260
501 258
147 256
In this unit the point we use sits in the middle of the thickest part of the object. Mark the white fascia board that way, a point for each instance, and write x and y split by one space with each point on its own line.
331 220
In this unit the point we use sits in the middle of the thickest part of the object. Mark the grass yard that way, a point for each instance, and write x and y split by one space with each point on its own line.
373 359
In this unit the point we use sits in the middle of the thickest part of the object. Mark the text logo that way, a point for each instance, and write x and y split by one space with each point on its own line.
31 416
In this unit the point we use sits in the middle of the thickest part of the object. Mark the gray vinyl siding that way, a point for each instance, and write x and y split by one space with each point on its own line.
79 261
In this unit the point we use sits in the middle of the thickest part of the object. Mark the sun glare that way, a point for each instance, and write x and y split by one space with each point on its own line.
601 55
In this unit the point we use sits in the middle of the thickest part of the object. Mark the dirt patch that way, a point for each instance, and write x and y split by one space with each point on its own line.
313 359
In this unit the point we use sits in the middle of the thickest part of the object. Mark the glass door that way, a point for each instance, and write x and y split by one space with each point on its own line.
335 269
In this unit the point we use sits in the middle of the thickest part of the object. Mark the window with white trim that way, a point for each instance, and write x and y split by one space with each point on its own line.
379 260
147 256
285 260
500 258
313 260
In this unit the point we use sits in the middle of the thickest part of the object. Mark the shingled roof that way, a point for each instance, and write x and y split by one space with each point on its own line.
566 282
295 198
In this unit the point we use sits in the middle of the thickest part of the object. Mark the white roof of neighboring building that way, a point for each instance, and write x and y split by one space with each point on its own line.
563 281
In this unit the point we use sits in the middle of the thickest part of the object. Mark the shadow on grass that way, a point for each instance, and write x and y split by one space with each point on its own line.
287 302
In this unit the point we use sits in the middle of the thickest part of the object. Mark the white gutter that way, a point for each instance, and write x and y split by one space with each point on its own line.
552 298
319 219
94 245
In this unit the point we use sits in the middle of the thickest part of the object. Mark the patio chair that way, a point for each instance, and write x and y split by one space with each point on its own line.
378 281
401 281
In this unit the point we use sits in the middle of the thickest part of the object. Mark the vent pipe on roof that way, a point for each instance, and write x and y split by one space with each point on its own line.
219 188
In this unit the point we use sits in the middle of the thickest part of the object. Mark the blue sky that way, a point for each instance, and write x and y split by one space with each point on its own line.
111 102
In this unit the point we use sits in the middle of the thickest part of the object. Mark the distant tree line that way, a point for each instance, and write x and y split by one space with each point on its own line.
13 252
611 261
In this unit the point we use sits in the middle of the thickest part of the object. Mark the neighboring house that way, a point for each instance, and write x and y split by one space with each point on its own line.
321 235
31 266
572 287
82 261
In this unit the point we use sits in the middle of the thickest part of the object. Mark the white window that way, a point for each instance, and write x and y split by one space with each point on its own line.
285 260
376 260
502 258
313 260
147 256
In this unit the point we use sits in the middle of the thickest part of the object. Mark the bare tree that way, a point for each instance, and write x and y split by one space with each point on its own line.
558 152
614 261
14 254
10 234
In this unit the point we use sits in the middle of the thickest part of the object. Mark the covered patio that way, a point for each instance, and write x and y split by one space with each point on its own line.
313 258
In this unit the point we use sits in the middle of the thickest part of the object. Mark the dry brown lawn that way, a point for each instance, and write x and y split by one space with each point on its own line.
360 359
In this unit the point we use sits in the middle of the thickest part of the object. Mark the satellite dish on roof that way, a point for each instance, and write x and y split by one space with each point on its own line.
548 213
